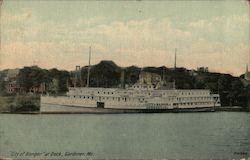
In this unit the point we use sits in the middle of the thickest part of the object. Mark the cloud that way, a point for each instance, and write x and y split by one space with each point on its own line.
64 55
142 42
7 17
218 56
234 25
202 24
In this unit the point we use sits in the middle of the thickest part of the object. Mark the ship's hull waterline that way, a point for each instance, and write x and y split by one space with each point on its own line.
68 109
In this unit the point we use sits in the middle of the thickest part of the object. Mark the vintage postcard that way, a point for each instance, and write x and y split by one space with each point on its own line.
124 80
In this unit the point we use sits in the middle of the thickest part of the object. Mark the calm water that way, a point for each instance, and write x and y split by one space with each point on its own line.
221 135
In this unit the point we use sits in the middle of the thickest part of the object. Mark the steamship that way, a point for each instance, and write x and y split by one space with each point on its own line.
148 95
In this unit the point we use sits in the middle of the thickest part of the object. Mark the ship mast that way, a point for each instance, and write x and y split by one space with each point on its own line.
89 65
1 2
175 58
175 67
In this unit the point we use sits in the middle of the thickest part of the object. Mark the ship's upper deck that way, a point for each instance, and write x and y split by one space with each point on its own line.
138 92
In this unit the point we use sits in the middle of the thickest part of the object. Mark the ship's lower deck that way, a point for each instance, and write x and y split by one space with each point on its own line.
52 108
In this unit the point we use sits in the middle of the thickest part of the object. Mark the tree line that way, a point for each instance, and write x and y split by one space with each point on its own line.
108 74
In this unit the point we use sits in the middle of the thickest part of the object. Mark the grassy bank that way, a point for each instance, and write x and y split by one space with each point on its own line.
5 103
232 109
19 103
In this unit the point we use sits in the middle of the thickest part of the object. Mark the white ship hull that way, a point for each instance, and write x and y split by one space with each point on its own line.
61 109
106 100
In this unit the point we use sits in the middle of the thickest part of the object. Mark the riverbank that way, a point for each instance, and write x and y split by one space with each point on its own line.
19 103
232 109
5 103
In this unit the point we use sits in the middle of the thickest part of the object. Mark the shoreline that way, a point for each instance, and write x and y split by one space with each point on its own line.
6 108
221 109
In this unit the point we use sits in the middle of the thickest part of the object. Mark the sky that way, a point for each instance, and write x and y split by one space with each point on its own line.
54 33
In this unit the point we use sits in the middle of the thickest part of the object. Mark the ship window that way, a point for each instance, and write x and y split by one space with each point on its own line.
74 96
108 92
88 97
98 92
112 93
118 98
125 99
92 97
103 92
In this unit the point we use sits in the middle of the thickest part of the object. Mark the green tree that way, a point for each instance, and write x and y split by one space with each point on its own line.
31 76
2 83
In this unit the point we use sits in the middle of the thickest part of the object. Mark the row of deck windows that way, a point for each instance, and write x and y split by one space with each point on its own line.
193 93
106 92
195 103
144 87
109 98
194 98
85 97
158 104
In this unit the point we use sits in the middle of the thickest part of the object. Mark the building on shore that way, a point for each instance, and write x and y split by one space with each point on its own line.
202 69
148 78
12 85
